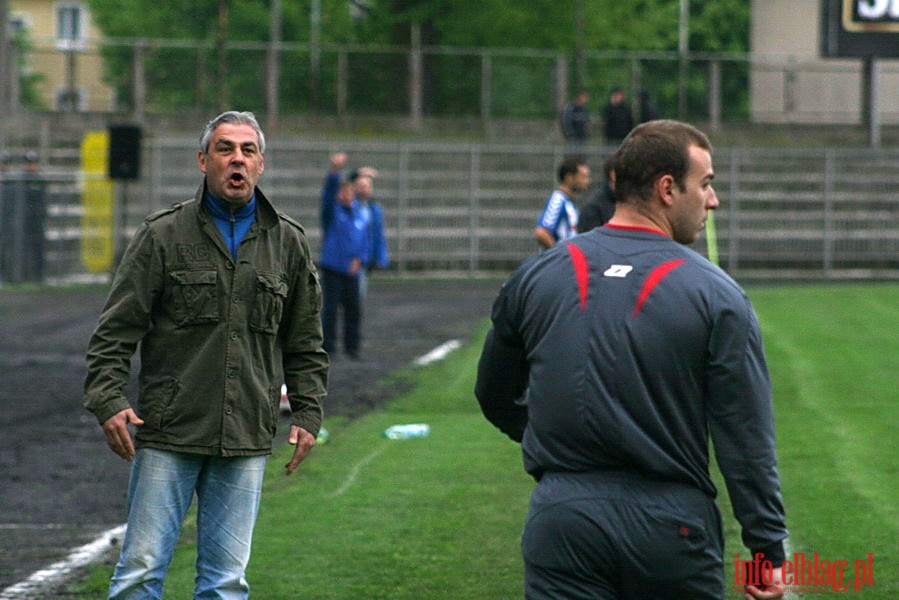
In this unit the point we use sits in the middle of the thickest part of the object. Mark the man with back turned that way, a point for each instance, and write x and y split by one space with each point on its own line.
612 358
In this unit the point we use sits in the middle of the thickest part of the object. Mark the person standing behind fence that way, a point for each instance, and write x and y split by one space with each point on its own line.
617 118
558 221
649 110
221 295
575 123
342 252
375 232
612 359
601 205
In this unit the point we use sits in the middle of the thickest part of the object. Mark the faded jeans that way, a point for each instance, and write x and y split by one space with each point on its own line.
161 489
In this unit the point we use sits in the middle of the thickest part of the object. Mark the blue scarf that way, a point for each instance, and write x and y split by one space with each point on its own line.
234 225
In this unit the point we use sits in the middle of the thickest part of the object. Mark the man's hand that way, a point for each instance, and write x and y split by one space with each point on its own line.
775 591
117 435
338 160
544 237
304 441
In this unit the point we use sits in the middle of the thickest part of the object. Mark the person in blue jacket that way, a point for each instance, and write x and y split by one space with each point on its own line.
376 235
344 246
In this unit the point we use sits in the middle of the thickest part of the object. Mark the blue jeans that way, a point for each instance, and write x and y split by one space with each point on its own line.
161 489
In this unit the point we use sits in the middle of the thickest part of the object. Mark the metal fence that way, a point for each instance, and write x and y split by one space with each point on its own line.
147 77
469 209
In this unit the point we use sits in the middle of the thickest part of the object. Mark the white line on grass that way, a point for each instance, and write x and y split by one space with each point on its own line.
354 472
438 353
42 580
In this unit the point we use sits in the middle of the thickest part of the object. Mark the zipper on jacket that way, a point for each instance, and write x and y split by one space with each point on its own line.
232 242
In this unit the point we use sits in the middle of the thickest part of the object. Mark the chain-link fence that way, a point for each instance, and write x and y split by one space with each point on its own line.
142 77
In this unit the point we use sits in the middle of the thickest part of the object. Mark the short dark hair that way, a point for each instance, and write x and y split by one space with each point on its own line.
651 150
569 166
608 165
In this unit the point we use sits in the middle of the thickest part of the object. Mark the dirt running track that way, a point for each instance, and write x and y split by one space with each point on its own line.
59 484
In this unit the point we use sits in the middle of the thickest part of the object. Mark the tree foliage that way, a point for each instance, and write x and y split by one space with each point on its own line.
177 75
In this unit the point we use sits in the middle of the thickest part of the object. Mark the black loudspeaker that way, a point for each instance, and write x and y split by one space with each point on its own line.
124 151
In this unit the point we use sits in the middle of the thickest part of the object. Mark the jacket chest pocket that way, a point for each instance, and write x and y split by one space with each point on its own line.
268 306
194 297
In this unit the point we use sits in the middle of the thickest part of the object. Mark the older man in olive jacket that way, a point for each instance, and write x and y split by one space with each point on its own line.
221 295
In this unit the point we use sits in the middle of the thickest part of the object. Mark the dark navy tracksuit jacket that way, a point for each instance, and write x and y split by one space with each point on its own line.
622 350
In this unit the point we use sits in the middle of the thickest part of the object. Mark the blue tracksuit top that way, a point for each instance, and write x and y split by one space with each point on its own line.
343 230
233 225
377 255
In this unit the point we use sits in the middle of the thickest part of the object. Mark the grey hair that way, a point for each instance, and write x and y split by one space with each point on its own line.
232 117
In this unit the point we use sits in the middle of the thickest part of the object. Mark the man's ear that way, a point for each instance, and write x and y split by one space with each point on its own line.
664 188
201 161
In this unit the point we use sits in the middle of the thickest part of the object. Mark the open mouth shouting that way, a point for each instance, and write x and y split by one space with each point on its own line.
237 180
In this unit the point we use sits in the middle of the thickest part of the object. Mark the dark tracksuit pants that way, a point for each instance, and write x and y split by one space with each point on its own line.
620 536
340 290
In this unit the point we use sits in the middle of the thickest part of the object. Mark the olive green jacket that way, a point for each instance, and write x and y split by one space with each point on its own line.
217 336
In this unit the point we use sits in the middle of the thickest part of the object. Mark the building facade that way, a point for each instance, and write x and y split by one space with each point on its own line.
60 51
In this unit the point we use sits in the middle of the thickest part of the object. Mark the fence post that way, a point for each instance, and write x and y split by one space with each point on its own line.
790 90
733 211
402 224
715 94
7 66
273 65
342 78
139 81
871 99
474 171
827 251
70 102
415 78
561 82
486 85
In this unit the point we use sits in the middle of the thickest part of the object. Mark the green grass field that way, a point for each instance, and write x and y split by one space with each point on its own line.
440 517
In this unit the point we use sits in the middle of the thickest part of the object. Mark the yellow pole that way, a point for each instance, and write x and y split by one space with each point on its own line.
98 206
711 239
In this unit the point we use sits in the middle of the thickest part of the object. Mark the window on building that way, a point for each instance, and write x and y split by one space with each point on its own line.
68 100
71 29
19 25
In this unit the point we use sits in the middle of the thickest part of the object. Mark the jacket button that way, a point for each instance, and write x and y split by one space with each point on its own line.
234 335
228 410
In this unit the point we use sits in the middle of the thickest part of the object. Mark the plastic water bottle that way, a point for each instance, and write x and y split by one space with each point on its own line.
411 430
323 437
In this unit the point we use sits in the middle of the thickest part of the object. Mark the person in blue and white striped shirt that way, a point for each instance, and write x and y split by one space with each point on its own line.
559 218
